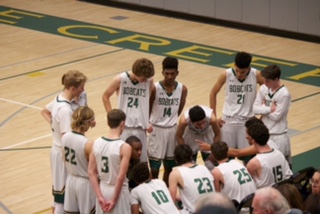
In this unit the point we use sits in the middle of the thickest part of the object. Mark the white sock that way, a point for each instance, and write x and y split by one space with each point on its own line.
58 208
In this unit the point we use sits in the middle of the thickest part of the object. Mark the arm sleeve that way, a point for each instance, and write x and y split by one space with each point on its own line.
282 107
134 199
258 106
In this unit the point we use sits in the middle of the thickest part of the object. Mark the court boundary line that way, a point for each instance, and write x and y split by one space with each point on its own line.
307 96
27 141
5 208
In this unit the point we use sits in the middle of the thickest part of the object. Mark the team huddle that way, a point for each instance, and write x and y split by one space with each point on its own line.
246 149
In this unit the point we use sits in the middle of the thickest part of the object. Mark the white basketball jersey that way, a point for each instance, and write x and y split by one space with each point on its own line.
107 154
208 111
82 101
240 95
73 144
166 106
134 101
238 183
274 168
197 180
61 113
277 121
154 198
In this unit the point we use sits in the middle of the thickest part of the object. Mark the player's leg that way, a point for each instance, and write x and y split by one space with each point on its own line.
70 199
156 150
169 162
228 133
59 176
284 146
86 196
190 138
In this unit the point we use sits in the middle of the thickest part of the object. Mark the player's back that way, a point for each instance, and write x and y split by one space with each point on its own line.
198 180
107 154
238 183
154 198
75 160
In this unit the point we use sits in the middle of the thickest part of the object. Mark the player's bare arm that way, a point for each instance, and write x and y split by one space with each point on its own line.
113 87
260 78
135 209
152 97
174 183
254 168
125 153
218 179
215 90
46 114
93 176
251 150
180 129
183 98
215 128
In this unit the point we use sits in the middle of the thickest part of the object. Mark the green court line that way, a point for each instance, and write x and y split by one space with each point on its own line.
304 97
6 209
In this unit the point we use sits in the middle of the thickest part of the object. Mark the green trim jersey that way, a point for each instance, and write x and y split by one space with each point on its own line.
61 119
240 95
134 101
238 183
79 194
154 198
107 154
197 181
108 159
275 121
166 106
61 113
274 168
75 160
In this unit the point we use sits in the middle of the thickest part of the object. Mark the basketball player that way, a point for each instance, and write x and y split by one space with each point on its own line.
152 195
61 113
248 151
79 197
109 161
240 93
198 123
133 88
230 176
136 148
167 101
273 103
76 102
269 166
191 179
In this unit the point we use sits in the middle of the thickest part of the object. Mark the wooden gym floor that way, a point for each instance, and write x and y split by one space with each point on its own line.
33 61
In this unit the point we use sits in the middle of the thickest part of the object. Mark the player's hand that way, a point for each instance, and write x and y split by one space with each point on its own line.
221 122
273 106
150 128
203 145
103 203
110 206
